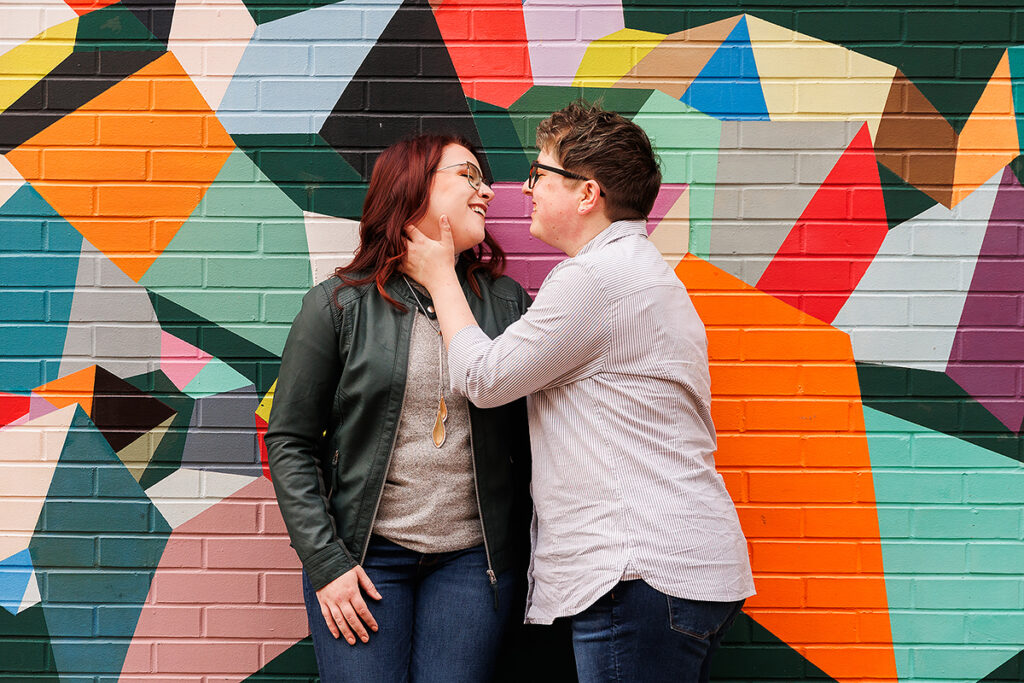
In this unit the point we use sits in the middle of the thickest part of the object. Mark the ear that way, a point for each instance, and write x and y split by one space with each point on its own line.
590 197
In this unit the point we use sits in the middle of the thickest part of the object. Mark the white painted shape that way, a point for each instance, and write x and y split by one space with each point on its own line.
209 40
28 458
10 180
932 254
31 596
554 59
23 21
186 493
331 242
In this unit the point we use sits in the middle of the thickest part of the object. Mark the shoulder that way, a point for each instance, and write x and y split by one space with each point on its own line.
503 287
336 289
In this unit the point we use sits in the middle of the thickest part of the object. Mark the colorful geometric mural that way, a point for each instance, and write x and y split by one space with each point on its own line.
843 200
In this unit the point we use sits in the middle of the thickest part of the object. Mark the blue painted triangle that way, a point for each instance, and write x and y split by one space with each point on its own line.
15 572
728 87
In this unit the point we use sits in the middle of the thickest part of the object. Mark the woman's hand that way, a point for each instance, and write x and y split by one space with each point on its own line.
430 262
343 607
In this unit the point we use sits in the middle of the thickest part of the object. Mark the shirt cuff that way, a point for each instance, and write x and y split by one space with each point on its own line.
463 352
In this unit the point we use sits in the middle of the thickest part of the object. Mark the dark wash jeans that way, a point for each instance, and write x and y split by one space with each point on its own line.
436 617
637 634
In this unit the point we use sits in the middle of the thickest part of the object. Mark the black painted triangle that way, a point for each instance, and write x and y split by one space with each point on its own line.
167 456
749 652
405 86
1010 670
902 200
122 412
155 15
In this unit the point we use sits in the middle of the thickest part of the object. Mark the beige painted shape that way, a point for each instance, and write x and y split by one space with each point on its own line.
10 180
138 453
28 458
804 78
988 141
610 58
677 60
209 40
186 493
672 236
23 66
24 20
331 242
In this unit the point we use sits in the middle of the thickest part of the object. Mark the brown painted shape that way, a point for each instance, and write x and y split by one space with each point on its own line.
676 61
98 171
916 142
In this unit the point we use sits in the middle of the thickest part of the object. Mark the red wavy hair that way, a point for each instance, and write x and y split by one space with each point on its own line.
398 195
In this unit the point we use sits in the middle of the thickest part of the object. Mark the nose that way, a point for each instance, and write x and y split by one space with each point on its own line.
485 191
526 187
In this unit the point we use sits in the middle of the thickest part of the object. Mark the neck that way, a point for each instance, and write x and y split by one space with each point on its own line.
589 230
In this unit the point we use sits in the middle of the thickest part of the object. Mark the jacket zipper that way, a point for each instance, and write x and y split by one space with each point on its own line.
387 465
479 509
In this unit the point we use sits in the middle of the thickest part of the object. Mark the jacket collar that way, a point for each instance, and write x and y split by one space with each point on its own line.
613 232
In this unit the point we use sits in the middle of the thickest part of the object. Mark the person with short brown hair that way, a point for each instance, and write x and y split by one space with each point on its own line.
635 538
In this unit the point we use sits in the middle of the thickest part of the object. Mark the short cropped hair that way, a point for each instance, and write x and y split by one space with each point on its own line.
614 151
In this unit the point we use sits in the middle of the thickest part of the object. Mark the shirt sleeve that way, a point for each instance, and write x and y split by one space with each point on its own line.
561 339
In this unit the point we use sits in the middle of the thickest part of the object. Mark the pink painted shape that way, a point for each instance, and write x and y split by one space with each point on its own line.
213 565
558 35
39 406
529 259
181 361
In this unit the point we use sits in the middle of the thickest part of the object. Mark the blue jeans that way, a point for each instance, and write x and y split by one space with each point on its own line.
636 633
437 619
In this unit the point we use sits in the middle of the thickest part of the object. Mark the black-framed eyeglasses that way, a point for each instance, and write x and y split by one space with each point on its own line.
473 174
532 180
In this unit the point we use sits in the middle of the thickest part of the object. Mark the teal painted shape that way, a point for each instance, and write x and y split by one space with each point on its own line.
949 520
729 87
1016 56
216 377
25 653
687 141
79 549
27 221
279 262
15 573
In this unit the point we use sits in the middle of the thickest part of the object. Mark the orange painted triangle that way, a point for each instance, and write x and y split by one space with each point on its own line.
78 387
125 172
793 453
988 141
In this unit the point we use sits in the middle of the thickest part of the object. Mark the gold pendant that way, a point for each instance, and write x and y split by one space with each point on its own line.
439 431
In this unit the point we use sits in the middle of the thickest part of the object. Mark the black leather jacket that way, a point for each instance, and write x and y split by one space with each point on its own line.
336 412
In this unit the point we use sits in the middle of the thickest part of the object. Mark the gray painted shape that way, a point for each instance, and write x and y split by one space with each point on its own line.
768 171
222 434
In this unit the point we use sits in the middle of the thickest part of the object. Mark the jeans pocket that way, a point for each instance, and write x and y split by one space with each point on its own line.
701 619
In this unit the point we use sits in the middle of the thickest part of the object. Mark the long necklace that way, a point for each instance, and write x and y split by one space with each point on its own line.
438 435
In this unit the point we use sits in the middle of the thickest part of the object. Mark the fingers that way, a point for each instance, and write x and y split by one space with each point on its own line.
353 620
363 612
446 231
366 584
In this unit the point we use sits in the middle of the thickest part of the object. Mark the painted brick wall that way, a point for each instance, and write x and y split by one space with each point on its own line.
842 198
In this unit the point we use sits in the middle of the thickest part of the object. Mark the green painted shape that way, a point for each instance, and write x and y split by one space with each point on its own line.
93 501
962 533
902 200
254 362
687 142
114 28
307 170
263 11
240 192
216 377
537 103
1017 166
504 151
948 51
935 401
167 456
1016 59
25 653
297 663
750 652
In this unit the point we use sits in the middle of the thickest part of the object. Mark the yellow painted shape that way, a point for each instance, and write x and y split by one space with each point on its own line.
988 141
672 236
263 409
804 78
138 453
610 58
24 66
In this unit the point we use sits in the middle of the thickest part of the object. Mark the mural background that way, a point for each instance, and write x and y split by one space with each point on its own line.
842 198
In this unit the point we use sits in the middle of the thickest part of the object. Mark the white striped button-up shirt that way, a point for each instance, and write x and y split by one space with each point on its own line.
613 358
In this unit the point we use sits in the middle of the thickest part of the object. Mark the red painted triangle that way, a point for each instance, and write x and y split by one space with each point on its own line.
832 244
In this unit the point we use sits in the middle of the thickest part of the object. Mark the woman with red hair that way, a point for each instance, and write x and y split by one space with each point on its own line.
407 505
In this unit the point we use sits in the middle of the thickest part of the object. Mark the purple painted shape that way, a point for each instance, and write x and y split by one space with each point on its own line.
529 259
987 358
559 35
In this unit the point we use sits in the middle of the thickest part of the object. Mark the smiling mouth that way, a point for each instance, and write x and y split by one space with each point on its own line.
477 209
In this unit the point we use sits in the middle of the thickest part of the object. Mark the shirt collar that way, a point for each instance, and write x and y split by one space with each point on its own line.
615 231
